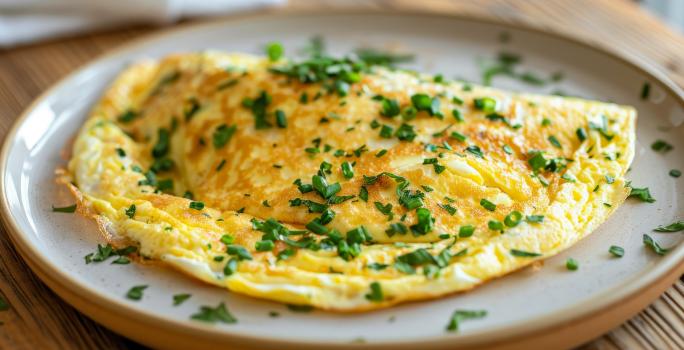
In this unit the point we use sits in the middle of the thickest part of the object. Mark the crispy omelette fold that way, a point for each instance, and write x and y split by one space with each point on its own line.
342 185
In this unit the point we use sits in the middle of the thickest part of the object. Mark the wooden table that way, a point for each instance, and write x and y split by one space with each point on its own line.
38 319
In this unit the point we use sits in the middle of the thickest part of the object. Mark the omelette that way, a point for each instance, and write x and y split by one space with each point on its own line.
339 183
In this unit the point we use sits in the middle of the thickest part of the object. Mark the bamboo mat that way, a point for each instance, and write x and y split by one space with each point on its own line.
38 319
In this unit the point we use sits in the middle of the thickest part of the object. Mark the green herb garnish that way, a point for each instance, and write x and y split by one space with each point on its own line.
223 134
655 247
487 204
180 298
136 292
673 227
375 294
571 264
196 205
214 314
616 251
524 254
68 209
462 315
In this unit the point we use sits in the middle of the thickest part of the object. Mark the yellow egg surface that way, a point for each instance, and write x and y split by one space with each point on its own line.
340 185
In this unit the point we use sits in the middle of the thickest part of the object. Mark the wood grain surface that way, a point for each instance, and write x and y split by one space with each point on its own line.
38 319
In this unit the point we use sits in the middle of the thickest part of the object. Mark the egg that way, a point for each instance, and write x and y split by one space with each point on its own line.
340 185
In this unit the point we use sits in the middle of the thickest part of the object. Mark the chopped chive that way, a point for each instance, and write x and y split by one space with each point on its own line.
645 90
475 150
513 219
661 146
458 136
616 251
347 170
673 227
381 153
281 120
223 134
554 141
495 225
196 205
264 246
581 134
274 51
507 149
655 247
535 219
466 231
68 209
524 254
571 264
675 173
487 204
462 315
457 115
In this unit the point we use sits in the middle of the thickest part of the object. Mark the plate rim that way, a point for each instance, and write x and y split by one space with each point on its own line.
663 274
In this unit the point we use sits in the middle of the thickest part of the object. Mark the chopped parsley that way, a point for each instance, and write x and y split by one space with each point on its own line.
347 170
67 209
616 251
375 294
214 314
180 298
136 292
462 315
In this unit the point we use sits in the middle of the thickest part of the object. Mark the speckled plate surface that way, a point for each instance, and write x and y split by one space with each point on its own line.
543 306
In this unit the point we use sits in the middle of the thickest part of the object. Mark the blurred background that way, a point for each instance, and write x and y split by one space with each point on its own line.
30 21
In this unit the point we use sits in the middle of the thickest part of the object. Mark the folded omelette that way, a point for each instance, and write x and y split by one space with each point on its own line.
340 184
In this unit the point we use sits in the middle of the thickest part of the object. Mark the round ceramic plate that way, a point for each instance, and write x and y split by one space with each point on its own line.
545 305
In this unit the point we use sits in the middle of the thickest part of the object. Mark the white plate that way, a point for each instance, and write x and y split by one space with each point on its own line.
531 301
